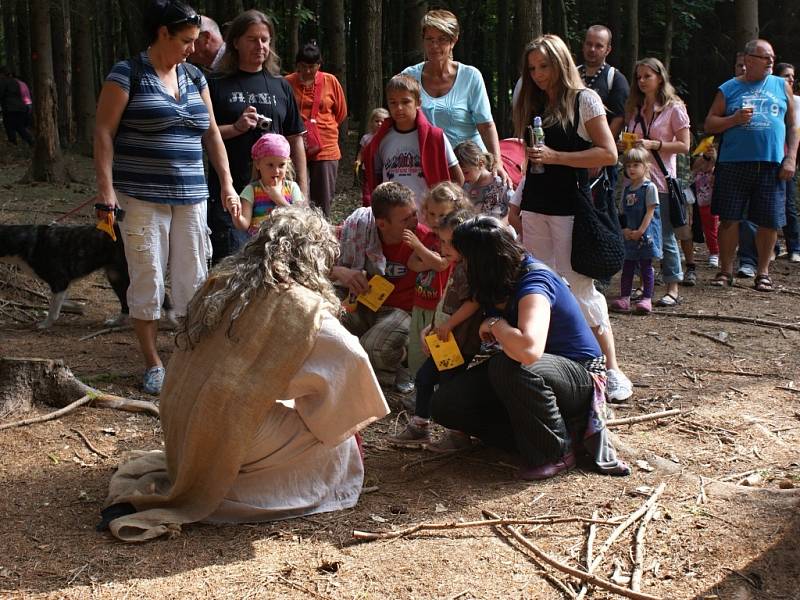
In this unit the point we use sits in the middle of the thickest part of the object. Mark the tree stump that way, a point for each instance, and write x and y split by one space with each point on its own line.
25 381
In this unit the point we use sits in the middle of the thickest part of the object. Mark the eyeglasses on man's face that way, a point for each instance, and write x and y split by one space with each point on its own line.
766 57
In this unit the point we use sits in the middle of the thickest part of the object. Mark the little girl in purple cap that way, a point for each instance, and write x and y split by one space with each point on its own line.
271 186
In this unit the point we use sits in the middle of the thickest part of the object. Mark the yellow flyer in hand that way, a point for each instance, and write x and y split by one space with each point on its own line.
379 290
446 355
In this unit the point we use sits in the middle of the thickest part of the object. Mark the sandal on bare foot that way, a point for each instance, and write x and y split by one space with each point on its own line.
763 283
722 280
668 301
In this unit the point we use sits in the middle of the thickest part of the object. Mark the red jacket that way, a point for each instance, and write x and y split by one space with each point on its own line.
431 151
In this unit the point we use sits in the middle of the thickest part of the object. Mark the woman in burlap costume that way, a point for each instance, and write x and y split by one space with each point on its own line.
262 397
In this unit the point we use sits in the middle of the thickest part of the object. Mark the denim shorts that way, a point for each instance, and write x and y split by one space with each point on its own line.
752 191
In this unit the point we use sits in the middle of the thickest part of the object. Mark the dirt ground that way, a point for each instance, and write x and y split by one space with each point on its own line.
710 538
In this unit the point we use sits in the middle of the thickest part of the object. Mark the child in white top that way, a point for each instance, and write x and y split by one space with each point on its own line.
487 192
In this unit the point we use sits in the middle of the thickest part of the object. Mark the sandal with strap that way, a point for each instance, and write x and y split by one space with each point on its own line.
763 283
668 301
722 279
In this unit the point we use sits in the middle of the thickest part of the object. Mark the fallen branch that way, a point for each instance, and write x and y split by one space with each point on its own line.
593 579
732 372
89 445
711 337
643 418
105 331
638 549
50 416
589 552
731 318
625 524
547 576
391 535
786 388
442 457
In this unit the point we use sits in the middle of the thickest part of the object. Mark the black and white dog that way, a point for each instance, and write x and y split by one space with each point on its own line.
60 254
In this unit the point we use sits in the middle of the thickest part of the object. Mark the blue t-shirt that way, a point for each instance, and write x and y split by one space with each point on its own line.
158 150
569 335
761 139
461 109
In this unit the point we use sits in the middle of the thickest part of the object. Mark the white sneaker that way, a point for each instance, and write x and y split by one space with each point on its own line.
618 387
713 261
794 257
403 381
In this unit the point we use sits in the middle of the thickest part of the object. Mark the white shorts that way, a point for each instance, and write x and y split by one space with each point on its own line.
161 237
549 239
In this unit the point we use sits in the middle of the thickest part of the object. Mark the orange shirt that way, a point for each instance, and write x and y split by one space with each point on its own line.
332 111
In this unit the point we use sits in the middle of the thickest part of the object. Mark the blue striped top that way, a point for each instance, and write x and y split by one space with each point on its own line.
158 150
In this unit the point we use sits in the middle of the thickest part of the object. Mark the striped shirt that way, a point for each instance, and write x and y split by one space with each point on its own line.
158 151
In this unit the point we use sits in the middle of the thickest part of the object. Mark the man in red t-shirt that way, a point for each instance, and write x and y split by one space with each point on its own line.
383 334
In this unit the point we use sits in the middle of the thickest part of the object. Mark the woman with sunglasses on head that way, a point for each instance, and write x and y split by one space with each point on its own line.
658 117
250 98
453 94
153 117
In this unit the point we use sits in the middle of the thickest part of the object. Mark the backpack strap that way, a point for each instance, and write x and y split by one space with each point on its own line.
136 67
195 74
610 77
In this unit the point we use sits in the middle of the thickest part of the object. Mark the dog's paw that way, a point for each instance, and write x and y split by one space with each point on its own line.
119 320
44 324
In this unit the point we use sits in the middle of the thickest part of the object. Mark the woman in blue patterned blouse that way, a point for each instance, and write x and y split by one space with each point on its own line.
153 117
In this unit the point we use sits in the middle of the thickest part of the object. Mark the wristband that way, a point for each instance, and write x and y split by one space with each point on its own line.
492 322
660 143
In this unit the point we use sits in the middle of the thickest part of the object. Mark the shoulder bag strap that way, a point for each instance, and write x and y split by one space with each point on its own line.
318 83
656 155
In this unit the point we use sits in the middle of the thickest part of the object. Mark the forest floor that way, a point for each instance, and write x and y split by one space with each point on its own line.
711 537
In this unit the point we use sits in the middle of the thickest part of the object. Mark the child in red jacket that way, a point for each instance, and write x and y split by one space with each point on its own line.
405 142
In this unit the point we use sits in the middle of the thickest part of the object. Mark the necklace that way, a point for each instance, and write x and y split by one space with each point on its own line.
588 80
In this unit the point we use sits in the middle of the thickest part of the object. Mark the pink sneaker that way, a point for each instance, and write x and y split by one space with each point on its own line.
643 306
621 305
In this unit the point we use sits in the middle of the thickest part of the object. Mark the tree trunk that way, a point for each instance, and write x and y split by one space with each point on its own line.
668 29
293 27
336 58
746 22
529 21
23 24
505 76
227 10
84 77
9 42
132 13
62 67
412 33
48 163
371 64
632 36
393 32
614 21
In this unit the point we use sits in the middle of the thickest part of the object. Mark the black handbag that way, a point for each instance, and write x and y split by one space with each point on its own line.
598 249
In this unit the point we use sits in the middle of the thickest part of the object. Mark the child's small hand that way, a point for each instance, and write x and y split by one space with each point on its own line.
423 342
276 195
636 235
443 331
626 234
234 206
410 238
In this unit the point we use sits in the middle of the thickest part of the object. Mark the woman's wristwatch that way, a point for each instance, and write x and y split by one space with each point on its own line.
492 322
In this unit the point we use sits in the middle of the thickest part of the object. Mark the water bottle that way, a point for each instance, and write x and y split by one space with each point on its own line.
538 140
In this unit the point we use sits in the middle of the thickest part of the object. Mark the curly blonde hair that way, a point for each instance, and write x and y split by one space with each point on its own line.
294 246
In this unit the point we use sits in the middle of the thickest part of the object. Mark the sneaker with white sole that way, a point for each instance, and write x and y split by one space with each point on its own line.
618 387
414 435
746 272
153 381
403 382
794 257
713 261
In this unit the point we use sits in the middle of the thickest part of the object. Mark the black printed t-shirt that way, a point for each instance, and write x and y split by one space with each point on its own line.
271 96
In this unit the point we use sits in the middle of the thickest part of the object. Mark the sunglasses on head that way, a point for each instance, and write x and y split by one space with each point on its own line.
190 20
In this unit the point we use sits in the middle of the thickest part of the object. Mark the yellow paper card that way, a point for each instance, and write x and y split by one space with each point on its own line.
379 290
628 140
446 355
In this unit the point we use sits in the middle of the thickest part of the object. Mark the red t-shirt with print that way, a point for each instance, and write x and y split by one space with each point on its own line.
398 273
430 285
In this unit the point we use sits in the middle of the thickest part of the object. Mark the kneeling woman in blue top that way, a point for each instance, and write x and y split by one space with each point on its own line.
541 393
